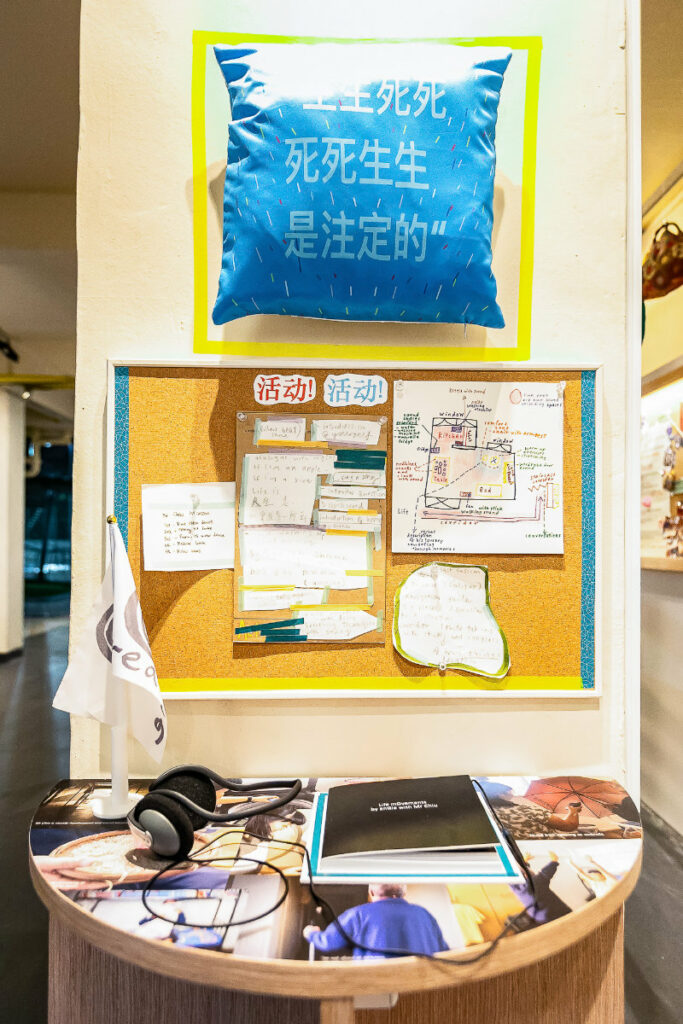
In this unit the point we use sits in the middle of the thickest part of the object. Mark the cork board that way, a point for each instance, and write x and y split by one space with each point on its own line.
368 595
177 425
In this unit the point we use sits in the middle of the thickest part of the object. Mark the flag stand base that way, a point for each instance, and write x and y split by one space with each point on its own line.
118 800
108 808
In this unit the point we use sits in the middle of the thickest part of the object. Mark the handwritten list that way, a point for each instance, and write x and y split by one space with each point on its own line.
188 526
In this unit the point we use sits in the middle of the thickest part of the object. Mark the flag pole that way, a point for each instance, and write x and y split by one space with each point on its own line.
119 802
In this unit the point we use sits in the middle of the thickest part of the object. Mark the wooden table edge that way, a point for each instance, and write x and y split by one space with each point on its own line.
335 979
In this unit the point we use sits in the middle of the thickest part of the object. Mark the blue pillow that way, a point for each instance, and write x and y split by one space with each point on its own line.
359 182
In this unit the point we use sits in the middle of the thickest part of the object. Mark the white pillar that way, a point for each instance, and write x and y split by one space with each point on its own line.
12 445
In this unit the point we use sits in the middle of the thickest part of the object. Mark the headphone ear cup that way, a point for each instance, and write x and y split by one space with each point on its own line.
196 787
167 823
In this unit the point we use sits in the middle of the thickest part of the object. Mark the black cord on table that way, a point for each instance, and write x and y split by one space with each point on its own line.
324 906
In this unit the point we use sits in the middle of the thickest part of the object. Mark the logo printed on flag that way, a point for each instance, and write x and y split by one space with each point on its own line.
114 652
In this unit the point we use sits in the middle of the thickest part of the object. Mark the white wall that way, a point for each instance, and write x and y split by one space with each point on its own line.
662 694
136 301
12 433
662 592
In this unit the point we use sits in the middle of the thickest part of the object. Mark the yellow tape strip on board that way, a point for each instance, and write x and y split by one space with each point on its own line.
407 686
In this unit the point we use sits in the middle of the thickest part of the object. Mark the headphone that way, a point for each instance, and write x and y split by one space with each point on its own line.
184 799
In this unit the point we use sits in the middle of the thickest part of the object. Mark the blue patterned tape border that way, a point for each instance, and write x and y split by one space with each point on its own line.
121 449
588 483
588 527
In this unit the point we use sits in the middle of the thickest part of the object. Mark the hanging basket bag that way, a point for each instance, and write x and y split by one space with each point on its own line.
663 265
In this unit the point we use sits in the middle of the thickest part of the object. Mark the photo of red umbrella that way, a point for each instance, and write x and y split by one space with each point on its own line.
599 798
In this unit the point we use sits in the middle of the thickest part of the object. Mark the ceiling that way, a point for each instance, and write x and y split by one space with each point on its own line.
39 130
39 102
662 90
39 52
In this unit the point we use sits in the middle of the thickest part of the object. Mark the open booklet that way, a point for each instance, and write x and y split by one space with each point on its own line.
433 830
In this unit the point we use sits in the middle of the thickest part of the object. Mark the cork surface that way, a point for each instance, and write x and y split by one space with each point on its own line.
182 430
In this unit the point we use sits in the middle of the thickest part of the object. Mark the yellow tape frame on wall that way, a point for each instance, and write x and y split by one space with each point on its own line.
340 351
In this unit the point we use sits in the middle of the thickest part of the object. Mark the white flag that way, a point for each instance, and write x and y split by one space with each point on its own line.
114 652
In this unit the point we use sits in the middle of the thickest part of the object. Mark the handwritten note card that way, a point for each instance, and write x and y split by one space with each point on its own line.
280 556
352 492
188 526
280 488
346 431
272 600
371 477
338 625
442 618
280 428
342 504
348 520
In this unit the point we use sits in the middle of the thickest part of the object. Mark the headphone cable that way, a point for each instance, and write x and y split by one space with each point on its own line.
324 906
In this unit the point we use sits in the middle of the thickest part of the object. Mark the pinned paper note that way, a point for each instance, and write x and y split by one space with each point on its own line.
271 600
280 428
348 520
352 492
188 526
343 504
372 477
443 619
346 431
338 625
304 558
478 466
280 488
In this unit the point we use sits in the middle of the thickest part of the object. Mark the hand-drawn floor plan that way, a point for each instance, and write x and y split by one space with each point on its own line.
478 467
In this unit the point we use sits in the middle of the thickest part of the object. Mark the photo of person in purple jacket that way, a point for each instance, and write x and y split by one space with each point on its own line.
386 922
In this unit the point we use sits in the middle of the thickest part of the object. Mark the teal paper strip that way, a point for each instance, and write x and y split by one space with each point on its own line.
356 458
264 627
281 634
356 453
273 638
267 627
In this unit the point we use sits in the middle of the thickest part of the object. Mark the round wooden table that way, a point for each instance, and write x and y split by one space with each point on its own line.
566 971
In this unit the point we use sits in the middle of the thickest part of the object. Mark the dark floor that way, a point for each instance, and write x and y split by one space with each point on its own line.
34 752
654 930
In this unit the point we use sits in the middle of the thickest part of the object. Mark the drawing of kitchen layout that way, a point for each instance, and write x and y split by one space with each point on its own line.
478 467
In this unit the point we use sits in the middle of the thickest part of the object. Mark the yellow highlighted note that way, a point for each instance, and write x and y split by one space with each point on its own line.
351 533
246 586
330 607
267 443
